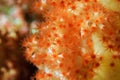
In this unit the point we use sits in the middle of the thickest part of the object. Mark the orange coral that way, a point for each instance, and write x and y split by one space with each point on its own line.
63 48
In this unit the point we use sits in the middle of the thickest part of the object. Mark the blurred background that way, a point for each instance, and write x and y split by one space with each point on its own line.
17 21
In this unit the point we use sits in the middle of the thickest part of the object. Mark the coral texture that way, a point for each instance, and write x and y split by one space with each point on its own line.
78 40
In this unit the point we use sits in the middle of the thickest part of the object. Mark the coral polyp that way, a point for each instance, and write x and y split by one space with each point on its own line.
76 41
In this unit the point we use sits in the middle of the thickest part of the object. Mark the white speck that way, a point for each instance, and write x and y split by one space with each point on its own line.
96 13
41 8
50 51
58 61
34 42
101 26
82 32
86 23
3 20
60 56
79 4
61 19
47 70
33 56
83 50
94 24
69 9
43 1
58 73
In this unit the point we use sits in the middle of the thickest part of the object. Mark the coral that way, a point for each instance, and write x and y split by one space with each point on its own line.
78 40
